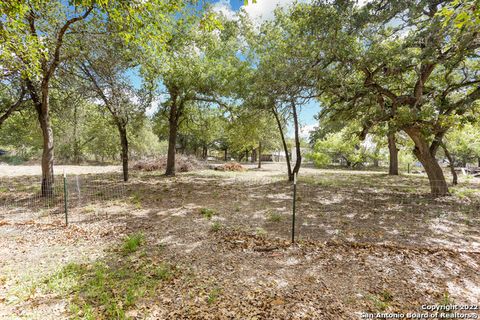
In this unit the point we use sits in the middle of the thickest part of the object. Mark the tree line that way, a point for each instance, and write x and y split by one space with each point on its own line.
399 71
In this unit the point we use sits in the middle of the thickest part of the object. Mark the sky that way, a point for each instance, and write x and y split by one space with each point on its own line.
261 11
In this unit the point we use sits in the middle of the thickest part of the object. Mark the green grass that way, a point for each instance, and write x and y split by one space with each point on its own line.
216 226
13 159
109 289
261 232
465 193
132 242
136 200
381 301
213 295
274 217
207 213
446 299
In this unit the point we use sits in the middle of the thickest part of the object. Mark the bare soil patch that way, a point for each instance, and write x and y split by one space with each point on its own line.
216 246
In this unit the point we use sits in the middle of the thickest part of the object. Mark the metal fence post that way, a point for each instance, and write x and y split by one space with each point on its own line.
65 197
294 201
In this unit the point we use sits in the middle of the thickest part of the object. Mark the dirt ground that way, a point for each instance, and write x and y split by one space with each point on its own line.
16 171
216 245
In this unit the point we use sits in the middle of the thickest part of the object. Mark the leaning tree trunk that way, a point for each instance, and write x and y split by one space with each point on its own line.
172 139
451 165
298 160
124 142
393 152
438 184
284 143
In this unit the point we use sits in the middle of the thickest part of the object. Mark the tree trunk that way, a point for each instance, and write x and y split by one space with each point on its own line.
47 155
205 153
259 155
451 165
254 155
172 139
393 151
246 155
76 146
225 155
438 184
298 161
478 162
284 142
124 141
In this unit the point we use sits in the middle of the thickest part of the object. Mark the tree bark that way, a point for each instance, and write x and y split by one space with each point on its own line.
438 184
172 138
298 161
124 142
225 155
451 165
76 146
259 155
47 155
254 155
205 152
393 152
284 142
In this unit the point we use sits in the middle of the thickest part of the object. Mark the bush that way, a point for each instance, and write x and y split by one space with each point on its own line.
319 159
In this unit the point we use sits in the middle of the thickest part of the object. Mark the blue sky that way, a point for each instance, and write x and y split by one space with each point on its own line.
260 11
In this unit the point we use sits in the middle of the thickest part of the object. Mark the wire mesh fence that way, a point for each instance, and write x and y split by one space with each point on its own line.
29 196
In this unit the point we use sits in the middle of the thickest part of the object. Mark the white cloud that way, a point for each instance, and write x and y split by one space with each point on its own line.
306 130
263 9
224 7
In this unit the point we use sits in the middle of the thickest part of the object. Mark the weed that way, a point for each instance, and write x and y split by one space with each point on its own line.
164 272
213 295
207 213
275 217
216 226
132 242
136 200
446 299
260 232
108 290
381 301
89 209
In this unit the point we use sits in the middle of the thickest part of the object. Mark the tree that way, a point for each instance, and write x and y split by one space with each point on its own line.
422 73
35 35
464 144
197 68
105 66
13 96
281 79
